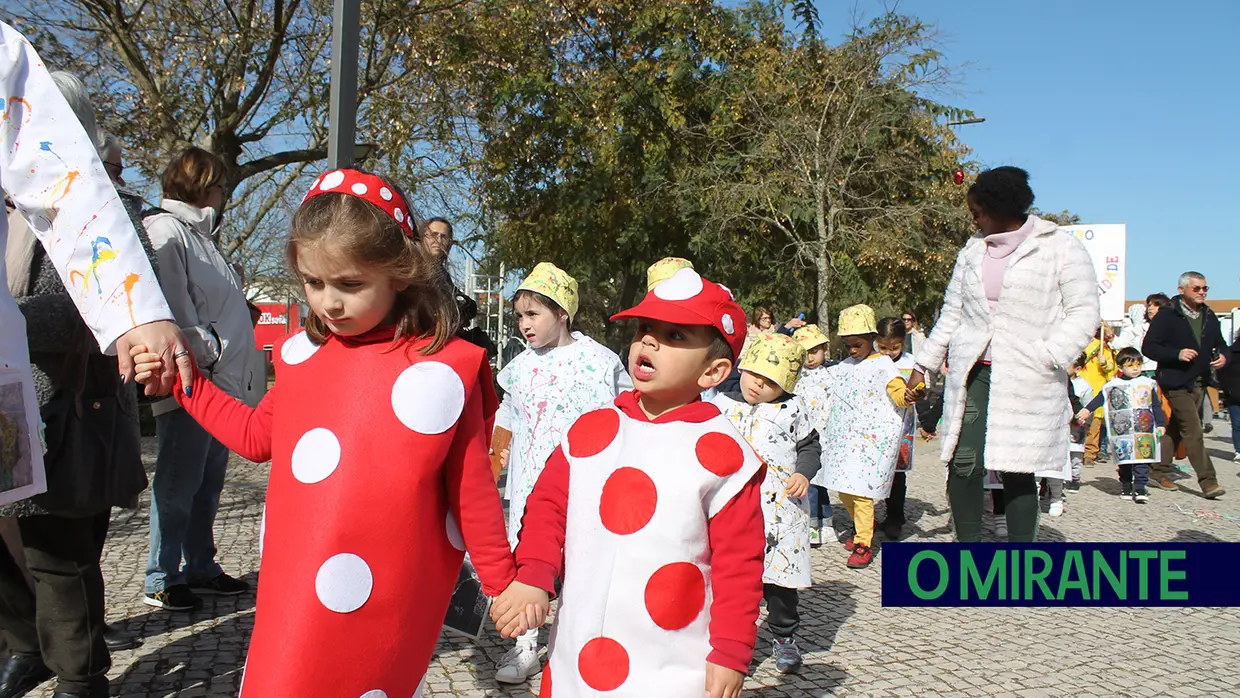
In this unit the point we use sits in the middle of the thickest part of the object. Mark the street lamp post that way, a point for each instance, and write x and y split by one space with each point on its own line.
346 29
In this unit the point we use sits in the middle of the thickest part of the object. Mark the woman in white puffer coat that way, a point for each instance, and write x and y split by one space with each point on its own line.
1021 305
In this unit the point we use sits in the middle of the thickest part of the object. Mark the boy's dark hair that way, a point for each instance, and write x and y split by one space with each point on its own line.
719 347
892 328
1079 363
1158 299
1128 355
1003 193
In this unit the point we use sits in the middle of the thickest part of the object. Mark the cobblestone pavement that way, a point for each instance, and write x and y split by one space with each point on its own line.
853 646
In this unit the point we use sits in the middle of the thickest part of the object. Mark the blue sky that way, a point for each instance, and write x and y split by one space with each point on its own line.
1123 112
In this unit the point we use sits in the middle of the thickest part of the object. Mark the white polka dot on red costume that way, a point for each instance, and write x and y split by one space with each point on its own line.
455 539
344 583
592 433
374 694
316 456
360 189
628 501
675 595
421 685
603 664
385 193
683 285
428 397
297 349
331 180
719 453
399 214
728 325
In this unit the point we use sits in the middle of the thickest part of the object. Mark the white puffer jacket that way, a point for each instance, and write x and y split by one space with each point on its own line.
1047 312
205 295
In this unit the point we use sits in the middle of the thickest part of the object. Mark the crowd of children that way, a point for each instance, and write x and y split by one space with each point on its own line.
659 504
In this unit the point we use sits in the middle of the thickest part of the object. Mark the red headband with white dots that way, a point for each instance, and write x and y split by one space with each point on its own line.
368 187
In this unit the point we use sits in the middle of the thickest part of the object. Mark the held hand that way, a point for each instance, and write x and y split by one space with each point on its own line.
916 380
928 435
1187 355
519 608
503 458
1219 362
1160 432
167 341
917 392
797 485
1082 416
722 682
147 365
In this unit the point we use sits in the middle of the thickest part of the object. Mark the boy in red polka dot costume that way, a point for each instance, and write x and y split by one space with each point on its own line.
650 511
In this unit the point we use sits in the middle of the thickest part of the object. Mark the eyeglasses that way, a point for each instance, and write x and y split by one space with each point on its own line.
1199 289
908 319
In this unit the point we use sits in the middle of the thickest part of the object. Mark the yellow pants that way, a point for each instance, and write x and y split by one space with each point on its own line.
861 509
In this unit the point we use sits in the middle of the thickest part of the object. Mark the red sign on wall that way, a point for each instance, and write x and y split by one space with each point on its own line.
277 320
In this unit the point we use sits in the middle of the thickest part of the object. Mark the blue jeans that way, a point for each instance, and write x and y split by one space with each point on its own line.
819 506
185 494
1234 412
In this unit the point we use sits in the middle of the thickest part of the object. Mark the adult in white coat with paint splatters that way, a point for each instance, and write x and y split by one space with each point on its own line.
1021 305
50 171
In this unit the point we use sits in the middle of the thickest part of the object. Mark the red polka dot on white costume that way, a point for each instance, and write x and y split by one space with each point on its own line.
360 189
628 501
592 433
428 397
603 664
682 286
316 456
331 180
385 193
455 539
675 595
720 454
297 349
344 583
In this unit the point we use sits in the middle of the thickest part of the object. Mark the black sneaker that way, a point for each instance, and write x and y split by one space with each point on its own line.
892 529
222 585
177 597
1073 486
1125 489
1140 496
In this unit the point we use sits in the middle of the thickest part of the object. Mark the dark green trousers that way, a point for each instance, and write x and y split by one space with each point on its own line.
967 473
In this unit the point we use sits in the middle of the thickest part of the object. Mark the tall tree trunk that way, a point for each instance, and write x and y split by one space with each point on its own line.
823 260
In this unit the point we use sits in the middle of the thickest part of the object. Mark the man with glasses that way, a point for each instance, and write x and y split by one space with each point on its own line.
1187 342
437 239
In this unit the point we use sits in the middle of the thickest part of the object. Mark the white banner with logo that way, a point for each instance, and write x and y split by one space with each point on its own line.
1108 246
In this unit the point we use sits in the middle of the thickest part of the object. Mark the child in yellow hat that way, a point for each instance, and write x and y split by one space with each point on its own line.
560 376
780 428
865 425
814 388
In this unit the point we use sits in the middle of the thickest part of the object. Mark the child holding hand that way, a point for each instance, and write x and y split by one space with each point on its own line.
377 430
781 430
651 511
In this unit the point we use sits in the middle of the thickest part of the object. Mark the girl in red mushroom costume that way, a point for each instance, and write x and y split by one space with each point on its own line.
378 431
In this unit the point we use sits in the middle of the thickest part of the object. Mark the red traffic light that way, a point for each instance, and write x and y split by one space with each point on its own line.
958 176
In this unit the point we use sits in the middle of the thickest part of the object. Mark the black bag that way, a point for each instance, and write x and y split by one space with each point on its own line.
94 451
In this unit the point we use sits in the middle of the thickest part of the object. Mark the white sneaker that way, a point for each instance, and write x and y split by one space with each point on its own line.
1001 528
1236 459
1056 509
519 664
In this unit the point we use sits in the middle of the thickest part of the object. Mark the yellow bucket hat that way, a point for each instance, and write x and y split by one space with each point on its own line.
554 283
810 337
664 269
776 357
859 319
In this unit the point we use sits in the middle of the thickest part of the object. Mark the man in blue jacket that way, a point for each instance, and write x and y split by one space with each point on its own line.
1187 342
